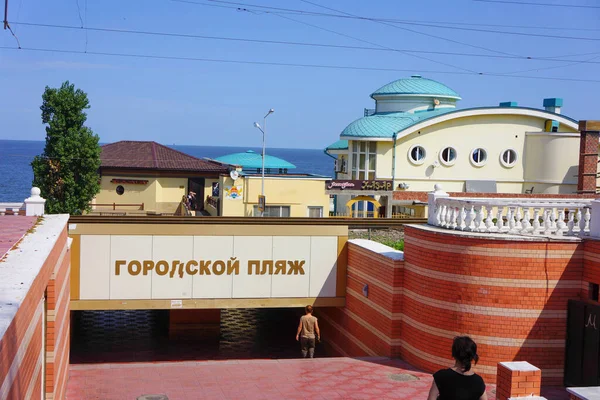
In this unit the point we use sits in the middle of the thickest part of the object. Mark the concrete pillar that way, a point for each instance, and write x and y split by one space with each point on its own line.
588 156
34 205
199 324
517 379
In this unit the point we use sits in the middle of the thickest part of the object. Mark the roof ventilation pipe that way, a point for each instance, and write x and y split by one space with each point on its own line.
553 105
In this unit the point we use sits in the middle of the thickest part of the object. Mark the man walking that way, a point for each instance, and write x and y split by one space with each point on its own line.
307 328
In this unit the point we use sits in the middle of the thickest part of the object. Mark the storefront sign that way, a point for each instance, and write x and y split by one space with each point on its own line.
150 266
130 181
367 185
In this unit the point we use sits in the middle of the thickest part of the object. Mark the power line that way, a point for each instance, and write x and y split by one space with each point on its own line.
430 24
537 4
412 30
302 44
376 44
282 64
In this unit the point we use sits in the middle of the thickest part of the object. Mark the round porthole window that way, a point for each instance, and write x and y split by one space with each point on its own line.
478 157
417 154
508 158
448 156
120 190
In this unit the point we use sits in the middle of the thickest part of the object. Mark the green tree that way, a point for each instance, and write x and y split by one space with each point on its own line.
67 171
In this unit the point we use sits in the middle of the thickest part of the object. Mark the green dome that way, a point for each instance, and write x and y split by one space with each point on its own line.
252 160
416 85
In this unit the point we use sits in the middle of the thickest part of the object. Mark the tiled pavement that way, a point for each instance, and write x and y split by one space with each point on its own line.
324 378
12 228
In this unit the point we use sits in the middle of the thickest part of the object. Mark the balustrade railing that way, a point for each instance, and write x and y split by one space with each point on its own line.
569 217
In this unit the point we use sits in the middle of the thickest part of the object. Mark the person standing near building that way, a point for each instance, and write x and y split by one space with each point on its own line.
308 332
459 382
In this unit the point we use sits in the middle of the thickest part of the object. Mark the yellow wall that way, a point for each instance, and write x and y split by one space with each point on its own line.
161 195
383 164
299 194
494 133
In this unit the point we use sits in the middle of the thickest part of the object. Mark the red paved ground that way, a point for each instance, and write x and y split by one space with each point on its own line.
324 378
12 228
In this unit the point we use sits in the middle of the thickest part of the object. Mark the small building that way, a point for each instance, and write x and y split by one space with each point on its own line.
416 137
287 194
147 177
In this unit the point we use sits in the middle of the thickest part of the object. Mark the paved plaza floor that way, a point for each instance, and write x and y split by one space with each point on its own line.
320 378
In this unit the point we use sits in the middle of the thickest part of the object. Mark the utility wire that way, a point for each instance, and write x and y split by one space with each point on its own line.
307 44
413 31
553 67
378 45
431 24
282 64
521 3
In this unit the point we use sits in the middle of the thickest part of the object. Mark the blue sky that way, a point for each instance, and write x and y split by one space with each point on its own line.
208 103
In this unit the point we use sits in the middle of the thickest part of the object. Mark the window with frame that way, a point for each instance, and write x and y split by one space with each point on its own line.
448 155
508 157
364 155
315 212
479 157
273 211
417 154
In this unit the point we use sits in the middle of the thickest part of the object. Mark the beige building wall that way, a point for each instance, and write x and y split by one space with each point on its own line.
160 195
494 133
169 192
297 193
550 158
134 194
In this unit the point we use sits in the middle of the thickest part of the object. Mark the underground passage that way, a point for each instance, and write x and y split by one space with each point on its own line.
165 335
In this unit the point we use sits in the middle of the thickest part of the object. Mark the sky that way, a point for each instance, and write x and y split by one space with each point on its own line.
190 102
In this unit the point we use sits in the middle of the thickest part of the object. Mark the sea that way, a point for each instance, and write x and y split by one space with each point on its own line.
16 174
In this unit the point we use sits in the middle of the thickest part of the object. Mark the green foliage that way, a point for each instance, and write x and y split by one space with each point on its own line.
67 170
398 245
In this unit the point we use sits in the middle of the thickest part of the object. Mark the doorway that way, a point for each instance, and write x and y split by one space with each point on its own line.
582 363
196 185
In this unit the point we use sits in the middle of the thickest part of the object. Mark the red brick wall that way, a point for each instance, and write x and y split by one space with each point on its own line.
588 162
367 325
591 263
510 296
58 329
21 347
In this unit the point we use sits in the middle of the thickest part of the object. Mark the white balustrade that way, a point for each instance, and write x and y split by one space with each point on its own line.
558 217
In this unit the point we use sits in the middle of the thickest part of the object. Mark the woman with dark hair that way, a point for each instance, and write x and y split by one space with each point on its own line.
459 382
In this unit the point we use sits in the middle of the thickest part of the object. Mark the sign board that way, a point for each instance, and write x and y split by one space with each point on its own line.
174 262
261 203
364 185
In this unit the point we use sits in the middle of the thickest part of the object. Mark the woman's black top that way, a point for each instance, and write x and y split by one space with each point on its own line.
455 386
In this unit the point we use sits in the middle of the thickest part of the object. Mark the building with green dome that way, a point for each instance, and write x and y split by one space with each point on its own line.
417 136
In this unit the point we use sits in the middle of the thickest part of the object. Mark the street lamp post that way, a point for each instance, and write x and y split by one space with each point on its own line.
263 129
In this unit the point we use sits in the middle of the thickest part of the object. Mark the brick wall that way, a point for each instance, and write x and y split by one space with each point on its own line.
588 157
510 296
58 330
368 324
591 264
22 357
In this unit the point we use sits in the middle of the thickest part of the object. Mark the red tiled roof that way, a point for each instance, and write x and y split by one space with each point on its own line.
12 228
153 156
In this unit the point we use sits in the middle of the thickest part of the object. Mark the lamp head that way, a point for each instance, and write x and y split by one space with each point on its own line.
271 111
257 125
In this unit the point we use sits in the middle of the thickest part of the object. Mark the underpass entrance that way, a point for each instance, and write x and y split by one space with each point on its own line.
160 335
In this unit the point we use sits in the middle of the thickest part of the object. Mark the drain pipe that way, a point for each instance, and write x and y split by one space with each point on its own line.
394 136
